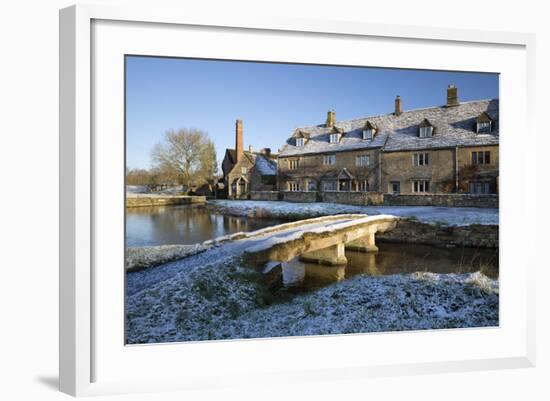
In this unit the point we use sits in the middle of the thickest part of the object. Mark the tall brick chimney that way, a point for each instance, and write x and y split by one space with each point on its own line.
331 119
452 96
398 109
239 147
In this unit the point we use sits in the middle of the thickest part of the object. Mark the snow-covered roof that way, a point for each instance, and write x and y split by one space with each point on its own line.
265 165
453 126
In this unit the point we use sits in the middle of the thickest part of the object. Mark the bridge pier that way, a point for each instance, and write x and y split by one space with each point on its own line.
333 255
365 244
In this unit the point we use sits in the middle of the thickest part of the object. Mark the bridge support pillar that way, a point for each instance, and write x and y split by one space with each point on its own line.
333 255
365 244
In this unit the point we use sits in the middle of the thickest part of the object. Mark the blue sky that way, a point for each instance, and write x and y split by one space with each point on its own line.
271 99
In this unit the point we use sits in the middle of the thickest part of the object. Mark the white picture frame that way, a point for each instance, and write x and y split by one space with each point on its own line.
89 340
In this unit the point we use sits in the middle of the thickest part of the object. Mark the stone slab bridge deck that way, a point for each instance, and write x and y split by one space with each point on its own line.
321 240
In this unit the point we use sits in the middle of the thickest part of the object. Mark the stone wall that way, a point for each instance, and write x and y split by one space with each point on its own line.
448 200
299 196
155 200
412 231
264 195
353 198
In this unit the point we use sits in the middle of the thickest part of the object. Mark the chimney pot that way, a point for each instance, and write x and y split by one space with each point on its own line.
452 96
239 148
398 109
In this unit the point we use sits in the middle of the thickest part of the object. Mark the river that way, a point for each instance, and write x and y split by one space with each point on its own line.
161 225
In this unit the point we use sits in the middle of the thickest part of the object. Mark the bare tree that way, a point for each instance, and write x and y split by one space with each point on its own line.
188 155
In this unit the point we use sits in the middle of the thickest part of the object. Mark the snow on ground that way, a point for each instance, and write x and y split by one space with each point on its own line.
227 301
458 216
146 256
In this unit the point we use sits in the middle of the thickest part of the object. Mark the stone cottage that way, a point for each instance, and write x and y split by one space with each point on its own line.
246 171
451 148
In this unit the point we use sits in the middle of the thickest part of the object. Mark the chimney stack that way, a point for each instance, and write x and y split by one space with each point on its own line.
452 96
398 109
331 119
239 149
250 148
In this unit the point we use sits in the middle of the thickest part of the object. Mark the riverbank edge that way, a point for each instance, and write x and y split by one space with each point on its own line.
141 258
147 200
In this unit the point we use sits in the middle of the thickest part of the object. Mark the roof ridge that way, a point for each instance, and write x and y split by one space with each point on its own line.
404 112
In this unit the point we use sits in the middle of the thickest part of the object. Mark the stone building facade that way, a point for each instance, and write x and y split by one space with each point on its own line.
445 149
247 171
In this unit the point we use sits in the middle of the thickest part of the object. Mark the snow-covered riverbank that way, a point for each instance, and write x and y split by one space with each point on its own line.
227 301
296 211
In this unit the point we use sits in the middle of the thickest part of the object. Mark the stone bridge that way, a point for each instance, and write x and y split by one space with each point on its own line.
321 240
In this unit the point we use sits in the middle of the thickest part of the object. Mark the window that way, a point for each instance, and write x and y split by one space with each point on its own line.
299 142
426 132
244 170
481 157
312 186
484 126
368 133
421 186
421 159
293 164
364 186
362 160
293 186
480 188
334 138
329 160
395 187
329 186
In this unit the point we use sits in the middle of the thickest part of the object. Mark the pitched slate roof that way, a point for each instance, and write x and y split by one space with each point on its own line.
453 126
264 164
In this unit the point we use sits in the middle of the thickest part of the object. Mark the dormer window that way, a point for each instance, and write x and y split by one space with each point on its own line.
299 142
425 129
426 132
484 127
369 130
484 123
334 138
368 133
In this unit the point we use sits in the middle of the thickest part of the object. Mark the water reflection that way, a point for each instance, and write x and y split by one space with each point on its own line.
160 225
391 259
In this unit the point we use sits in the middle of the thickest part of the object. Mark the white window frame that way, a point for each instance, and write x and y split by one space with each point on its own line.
362 160
426 132
293 164
368 134
421 159
294 186
484 127
334 138
244 170
483 186
420 186
300 142
364 186
329 160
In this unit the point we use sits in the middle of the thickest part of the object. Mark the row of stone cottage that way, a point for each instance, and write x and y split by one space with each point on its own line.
444 149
